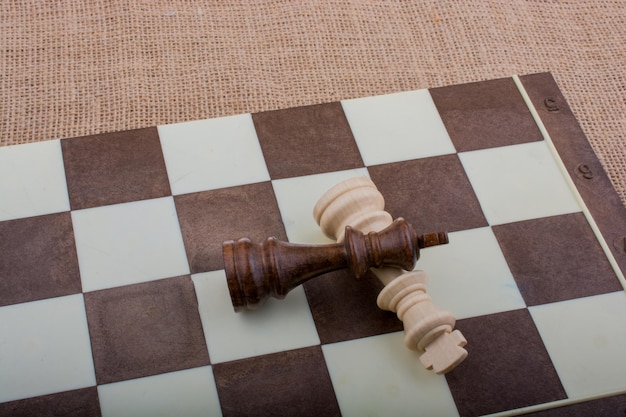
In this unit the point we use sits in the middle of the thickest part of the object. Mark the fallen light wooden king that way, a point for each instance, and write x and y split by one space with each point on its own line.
352 213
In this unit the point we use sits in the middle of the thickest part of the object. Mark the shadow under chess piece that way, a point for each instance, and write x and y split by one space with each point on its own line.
428 329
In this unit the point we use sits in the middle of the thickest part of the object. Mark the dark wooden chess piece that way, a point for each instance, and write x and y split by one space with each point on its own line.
272 268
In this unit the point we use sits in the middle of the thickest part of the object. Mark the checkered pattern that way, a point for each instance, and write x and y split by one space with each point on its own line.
113 299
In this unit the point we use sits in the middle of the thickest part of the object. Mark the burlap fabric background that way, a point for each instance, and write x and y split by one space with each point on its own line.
72 68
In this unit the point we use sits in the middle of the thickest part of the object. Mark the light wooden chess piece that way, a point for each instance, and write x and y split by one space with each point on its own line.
428 329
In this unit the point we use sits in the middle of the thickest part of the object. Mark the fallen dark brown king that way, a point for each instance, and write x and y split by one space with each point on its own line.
257 271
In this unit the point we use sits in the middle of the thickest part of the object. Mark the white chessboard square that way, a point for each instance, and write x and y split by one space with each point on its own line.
32 180
190 392
296 198
44 348
585 339
397 127
129 243
470 276
379 376
518 182
276 326
214 153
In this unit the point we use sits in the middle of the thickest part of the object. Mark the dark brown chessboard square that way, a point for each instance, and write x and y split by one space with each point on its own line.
306 140
37 259
485 114
291 383
79 403
556 258
209 218
432 194
145 329
339 294
508 366
114 168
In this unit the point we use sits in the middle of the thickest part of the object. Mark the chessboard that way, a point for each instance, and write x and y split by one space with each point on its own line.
114 301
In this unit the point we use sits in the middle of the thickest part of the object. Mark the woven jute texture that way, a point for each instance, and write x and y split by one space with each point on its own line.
71 68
